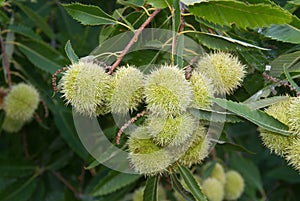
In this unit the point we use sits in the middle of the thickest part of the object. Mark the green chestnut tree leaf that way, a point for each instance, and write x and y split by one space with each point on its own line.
290 79
191 183
20 190
257 117
214 41
254 105
70 53
117 182
284 32
37 20
248 170
227 13
150 192
234 147
42 55
160 3
88 14
215 116
285 60
191 2
25 31
136 3
179 188
16 168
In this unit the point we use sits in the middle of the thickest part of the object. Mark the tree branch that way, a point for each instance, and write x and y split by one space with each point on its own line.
132 120
132 41
5 61
65 182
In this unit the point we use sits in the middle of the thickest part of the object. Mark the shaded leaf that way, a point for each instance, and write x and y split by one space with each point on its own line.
284 173
242 15
42 56
25 31
115 196
150 192
21 190
115 183
192 183
234 147
88 14
255 59
283 60
248 170
62 160
37 19
257 117
284 32
64 122
16 167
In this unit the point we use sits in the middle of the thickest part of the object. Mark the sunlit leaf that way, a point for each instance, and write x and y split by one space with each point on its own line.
150 192
70 53
243 15
88 14
257 117
284 32
191 183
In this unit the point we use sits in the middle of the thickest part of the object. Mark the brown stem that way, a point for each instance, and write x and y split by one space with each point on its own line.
188 70
25 145
54 77
81 179
65 182
38 118
182 21
132 120
280 82
45 108
132 41
5 61
213 154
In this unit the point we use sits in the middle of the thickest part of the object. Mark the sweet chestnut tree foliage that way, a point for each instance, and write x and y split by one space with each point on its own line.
149 100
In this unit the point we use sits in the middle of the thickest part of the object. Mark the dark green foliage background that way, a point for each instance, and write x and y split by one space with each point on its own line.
54 147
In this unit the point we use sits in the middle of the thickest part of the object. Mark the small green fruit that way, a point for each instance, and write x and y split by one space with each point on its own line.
275 142
234 186
12 125
171 130
224 69
21 102
294 115
146 157
167 91
293 154
202 90
86 87
213 189
128 88
219 173
198 150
